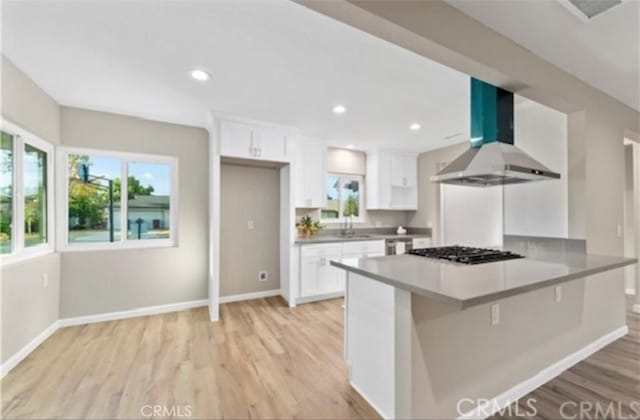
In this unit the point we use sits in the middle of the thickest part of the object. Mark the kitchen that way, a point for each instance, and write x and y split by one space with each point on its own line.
365 213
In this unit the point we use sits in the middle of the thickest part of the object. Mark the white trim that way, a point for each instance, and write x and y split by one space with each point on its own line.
22 138
133 313
361 198
630 291
124 243
364 397
545 375
323 296
21 354
249 296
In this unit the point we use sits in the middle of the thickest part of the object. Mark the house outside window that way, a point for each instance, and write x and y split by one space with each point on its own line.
344 198
98 206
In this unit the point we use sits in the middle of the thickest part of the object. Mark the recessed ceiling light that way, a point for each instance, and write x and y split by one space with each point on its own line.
351 146
415 127
339 109
199 75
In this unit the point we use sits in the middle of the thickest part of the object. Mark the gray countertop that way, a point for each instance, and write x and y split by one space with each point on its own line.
469 285
326 239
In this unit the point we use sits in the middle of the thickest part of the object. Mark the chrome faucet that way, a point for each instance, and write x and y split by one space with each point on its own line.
348 226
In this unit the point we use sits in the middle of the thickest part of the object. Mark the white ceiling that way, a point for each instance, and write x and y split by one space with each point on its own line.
273 61
603 52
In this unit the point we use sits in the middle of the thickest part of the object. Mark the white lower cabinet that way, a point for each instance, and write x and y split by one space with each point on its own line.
318 278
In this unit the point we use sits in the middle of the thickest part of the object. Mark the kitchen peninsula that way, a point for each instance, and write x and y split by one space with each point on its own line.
427 338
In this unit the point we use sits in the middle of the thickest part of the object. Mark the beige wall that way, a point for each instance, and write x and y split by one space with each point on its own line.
457 353
249 194
345 161
428 214
107 281
27 306
576 175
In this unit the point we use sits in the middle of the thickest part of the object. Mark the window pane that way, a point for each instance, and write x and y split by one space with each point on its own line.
35 196
6 192
351 198
148 212
333 204
93 216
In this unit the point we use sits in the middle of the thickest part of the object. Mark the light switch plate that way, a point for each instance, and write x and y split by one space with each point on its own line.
558 294
495 314
250 225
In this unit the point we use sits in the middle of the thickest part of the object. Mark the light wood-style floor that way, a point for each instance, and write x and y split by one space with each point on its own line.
262 360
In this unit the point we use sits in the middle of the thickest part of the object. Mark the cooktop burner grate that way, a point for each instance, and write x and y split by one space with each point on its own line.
465 255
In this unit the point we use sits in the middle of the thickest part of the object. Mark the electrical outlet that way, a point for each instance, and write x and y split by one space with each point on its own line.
619 231
495 314
558 294
45 280
263 276
250 225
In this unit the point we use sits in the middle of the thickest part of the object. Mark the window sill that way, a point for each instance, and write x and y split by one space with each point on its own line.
26 256
120 246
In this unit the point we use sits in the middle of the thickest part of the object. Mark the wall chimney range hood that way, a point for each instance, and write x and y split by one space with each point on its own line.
493 159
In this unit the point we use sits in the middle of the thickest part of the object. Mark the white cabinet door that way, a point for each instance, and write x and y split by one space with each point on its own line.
316 173
310 270
236 139
310 173
299 176
404 171
271 144
392 180
331 278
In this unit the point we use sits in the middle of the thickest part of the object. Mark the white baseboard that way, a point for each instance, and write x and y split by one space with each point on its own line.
249 296
509 397
630 291
316 298
364 397
132 313
27 349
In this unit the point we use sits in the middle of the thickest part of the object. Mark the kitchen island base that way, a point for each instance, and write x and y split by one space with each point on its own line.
412 356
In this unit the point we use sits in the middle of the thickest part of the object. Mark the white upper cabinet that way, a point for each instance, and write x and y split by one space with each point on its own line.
392 180
249 141
404 170
310 169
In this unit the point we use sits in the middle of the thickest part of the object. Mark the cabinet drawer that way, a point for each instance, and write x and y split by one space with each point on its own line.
363 247
321 250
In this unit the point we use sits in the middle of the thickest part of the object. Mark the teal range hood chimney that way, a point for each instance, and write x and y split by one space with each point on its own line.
492 159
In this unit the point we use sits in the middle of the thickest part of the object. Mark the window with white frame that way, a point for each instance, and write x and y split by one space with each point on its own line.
100 210
344 198
26 183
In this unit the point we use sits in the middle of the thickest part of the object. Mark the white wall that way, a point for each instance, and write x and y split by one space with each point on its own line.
539 208
471 216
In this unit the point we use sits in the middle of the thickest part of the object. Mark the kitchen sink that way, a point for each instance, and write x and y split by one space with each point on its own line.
357 236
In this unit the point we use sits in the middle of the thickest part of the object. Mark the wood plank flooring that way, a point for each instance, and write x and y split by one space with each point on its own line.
262 360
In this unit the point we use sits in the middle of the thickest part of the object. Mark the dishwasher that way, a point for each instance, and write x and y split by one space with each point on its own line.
399 246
